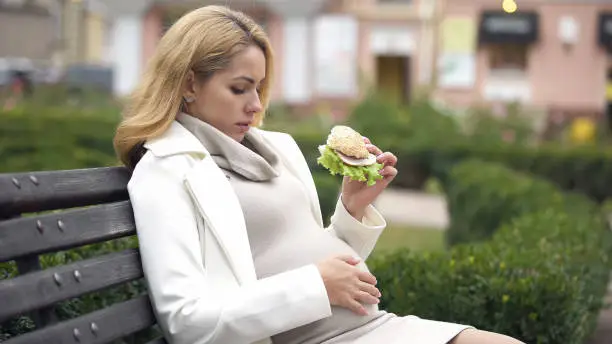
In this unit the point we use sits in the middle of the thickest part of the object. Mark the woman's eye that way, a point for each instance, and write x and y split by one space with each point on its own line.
237 90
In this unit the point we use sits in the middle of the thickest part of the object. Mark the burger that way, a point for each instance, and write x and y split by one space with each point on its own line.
346 154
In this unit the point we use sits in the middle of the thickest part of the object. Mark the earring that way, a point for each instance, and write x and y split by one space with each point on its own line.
189 99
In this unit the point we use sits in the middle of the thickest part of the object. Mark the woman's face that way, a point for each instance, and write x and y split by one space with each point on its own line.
229 99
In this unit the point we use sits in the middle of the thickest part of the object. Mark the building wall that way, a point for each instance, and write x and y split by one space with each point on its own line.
274 27
572 78
400 29
86 29
414 26
369 14
126 53
74 32
97 32
298 73
407 32
29 35
152 31
558 77
400 26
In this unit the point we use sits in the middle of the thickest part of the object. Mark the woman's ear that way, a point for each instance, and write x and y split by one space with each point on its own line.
189 88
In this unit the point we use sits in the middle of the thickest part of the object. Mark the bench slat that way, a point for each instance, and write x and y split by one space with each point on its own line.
38 289
108 324
57 231
43 316
49 190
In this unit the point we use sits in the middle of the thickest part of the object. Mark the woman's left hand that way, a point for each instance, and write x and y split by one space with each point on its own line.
356 195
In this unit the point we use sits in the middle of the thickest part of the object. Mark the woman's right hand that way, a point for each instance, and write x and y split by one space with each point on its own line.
347 286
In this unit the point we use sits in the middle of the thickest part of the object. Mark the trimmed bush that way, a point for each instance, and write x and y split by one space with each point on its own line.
541 277
381 121
55 140
482 196
585 169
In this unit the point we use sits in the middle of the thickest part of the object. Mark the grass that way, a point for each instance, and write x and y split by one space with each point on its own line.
414 238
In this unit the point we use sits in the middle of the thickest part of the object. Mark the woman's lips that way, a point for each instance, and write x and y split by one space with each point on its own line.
244 127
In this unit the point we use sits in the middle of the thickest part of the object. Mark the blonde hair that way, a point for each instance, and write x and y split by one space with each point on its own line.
204 40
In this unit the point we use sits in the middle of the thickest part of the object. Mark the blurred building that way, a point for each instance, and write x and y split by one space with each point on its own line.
553 55
326 50
47 39
28 41
85 32
550 54
70 31
27 30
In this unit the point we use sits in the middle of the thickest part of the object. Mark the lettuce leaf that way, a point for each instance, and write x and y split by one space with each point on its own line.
331 161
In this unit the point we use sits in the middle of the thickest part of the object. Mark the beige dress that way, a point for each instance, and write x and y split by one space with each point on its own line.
288 239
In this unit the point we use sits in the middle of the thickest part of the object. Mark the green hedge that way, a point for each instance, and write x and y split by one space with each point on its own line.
480 199
585 169
541 277
55 139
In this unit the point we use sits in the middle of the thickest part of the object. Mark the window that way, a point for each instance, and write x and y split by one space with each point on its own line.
508 57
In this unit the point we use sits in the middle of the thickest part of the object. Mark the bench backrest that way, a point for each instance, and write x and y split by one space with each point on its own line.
100 212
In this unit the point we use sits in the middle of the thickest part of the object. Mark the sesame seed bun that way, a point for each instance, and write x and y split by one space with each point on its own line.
348 142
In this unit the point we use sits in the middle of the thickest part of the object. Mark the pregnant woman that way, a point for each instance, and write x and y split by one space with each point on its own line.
231 238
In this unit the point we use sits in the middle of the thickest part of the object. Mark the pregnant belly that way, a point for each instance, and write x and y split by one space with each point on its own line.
291 252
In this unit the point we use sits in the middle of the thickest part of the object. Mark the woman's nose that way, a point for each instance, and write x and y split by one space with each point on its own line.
255 105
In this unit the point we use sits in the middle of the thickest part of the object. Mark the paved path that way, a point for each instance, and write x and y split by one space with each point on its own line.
430 211
413 208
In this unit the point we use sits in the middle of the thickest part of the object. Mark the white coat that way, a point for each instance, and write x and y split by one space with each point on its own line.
195 252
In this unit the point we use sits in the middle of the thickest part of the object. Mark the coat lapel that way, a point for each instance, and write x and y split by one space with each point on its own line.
218 204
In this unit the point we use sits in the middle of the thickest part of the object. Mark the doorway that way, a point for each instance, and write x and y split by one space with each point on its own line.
393 77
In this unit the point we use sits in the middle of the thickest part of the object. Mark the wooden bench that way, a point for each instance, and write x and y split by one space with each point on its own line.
101 212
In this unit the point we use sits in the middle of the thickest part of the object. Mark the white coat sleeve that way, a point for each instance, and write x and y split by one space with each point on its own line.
360 235
187 309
